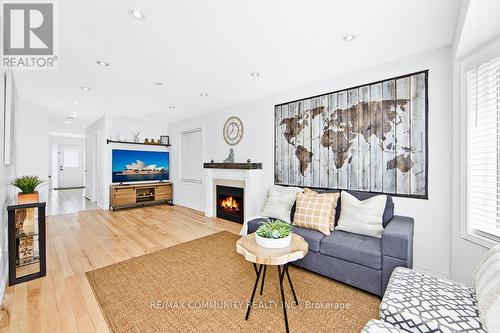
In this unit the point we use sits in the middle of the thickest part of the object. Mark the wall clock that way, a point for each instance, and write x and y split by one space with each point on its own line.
233 130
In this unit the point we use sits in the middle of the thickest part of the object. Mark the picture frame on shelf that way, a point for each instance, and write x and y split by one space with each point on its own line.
164 139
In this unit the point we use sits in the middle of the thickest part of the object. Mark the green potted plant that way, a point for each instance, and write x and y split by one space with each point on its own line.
274 234
28 186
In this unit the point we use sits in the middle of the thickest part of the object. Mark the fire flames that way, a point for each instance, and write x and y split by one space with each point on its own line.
230 204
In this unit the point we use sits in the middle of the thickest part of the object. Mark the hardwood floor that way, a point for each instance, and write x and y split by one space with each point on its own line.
68 201
62 301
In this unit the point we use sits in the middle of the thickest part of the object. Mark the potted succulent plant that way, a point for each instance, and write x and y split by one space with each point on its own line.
28 186
274 234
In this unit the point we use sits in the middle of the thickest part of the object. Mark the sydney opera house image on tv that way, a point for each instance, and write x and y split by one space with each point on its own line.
137 165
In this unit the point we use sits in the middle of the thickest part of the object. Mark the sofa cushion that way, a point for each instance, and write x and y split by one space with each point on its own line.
316 211
418 302
386 217
312 237
359 249
363 217
279 202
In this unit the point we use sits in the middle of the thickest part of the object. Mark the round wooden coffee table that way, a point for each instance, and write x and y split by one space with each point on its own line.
264 257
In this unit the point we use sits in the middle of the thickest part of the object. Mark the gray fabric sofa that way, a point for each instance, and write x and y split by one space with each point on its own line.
361 261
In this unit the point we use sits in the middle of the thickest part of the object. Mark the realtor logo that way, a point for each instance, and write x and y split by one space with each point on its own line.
29 35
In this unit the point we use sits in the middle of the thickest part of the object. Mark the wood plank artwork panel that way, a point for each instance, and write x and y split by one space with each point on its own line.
418 138
278 147
388 127
403 163
342 140
369 138
364 135
333 173
324 159
376 150
352 137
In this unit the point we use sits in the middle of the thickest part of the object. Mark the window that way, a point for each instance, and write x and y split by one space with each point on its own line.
192 156
482 107
71 158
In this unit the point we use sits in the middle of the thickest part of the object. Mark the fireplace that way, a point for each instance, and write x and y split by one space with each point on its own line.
230 203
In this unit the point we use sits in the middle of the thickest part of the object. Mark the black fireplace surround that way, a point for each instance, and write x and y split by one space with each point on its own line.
230 203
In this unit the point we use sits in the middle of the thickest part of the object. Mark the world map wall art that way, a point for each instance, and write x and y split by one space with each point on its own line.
371 138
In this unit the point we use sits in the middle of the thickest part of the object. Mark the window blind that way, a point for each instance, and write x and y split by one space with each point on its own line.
483 143
191 156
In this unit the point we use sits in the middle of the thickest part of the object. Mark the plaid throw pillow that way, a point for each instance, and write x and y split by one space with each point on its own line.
316 211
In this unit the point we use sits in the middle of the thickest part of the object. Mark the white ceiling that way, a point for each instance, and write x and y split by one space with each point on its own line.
212 46
481 25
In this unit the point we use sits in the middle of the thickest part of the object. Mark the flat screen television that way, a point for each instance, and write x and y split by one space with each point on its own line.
138 165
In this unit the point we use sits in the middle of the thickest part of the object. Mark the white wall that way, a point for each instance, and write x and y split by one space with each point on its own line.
432 217
32 143
6 193
110 127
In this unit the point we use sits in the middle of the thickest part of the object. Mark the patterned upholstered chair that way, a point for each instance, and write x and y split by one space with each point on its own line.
418 302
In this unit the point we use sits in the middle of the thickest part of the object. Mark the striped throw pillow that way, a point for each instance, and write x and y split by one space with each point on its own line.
316 211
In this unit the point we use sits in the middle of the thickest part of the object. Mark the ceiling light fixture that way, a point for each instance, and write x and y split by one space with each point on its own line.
75 103
348 37
171 107
102 63
157 83
255 74
203 94
136 14
85 88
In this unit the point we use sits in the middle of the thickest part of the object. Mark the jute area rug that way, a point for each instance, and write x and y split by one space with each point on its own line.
204 286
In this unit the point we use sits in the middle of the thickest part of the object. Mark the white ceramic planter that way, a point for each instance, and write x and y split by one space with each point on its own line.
271 243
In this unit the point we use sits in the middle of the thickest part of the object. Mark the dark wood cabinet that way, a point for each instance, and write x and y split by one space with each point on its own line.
27 242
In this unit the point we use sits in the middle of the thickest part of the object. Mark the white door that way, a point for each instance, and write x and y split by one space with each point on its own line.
70 166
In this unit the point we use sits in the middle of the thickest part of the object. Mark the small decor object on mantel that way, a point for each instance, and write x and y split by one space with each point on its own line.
230 158
164 140
146 140
274 234
249 160
233 131
135 137
28 186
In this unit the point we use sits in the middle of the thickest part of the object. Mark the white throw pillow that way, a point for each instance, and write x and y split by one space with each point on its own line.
362 217
279 202
486 281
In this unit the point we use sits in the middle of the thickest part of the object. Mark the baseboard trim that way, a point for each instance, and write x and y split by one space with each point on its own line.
3 284
433 272
188 206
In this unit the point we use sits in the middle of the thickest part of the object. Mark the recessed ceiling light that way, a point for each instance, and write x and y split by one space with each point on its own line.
348 37
171 107
254 74
85 88
203 94
75 103
157 83
102 63
136 14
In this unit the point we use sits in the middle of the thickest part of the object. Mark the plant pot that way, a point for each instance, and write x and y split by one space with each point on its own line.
23 198
273 243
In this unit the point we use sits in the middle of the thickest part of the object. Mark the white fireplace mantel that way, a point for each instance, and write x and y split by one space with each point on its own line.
250 180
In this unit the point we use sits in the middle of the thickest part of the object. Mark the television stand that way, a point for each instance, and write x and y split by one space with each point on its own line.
139 195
